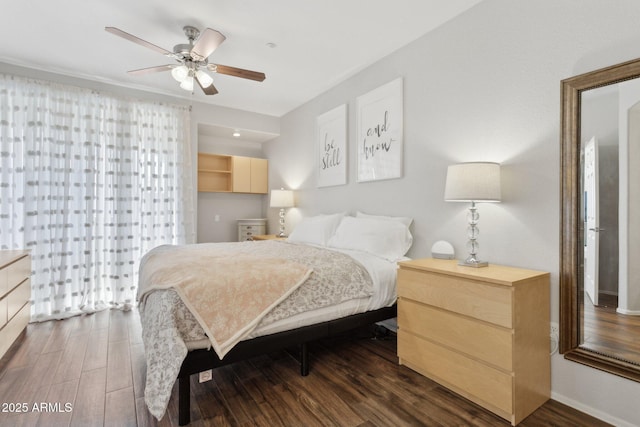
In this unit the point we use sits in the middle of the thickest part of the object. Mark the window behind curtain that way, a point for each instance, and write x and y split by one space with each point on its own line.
89 183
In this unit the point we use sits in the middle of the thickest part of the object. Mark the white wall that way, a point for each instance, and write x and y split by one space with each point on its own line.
485 86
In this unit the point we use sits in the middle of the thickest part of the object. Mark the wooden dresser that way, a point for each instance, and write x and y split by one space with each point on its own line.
481 332
15 293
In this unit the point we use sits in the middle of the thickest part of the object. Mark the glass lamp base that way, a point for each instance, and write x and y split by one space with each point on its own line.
473 263
281 234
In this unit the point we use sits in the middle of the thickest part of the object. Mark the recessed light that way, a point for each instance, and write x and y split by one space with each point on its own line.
271 45
236 134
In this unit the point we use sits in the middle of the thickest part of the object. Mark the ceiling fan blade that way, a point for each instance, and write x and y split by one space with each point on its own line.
208 41
151 69
209 90
237 72
131 37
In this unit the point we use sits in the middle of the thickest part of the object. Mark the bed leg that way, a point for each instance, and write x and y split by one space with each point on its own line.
304 359
184 400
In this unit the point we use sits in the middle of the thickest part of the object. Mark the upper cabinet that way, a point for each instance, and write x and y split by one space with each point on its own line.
250 175
221 173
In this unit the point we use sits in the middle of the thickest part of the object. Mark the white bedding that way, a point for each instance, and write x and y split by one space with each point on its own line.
383 276
339 286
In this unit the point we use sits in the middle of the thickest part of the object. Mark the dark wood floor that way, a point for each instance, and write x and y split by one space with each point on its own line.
96 365
607 332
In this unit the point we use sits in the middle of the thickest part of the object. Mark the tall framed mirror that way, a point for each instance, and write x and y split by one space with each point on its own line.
600 219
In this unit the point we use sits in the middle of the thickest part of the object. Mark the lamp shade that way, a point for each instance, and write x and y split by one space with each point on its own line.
473 182
205 79
180 73
281 199
187 83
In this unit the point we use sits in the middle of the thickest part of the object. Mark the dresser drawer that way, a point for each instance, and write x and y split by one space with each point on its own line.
12 329
3 312
4 282
15 293
18 271
460 295
489 343
18 298
472 379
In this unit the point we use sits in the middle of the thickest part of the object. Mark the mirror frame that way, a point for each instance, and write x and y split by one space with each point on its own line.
570 226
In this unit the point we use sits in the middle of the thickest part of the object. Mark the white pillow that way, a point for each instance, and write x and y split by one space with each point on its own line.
381 237
403 219
316 230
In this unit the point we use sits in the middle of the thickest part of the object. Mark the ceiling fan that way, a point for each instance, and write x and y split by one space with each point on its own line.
191 59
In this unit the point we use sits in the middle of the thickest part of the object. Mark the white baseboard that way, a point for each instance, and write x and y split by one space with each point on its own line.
628 312
604 416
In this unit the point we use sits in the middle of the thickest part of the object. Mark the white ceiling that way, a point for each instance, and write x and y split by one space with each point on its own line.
318 43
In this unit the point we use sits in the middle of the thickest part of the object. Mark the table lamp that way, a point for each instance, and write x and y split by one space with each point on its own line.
473 182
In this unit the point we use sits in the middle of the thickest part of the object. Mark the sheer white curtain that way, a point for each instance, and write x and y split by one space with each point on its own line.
89 182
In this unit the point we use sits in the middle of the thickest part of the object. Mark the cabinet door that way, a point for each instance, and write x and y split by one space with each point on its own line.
259 175
241 174
250 175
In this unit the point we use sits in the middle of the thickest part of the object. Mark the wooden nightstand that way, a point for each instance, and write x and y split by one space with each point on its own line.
268 237
481 332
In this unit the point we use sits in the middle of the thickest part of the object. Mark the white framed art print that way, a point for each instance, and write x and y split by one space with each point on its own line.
380 132
331 141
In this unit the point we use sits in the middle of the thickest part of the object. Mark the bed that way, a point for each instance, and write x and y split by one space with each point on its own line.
206 305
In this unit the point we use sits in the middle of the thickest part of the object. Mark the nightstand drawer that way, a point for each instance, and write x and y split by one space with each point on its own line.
479 340
468 297
472 379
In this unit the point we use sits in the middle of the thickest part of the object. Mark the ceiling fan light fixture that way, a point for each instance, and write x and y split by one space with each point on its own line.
204 78
180 73
187 84
190 57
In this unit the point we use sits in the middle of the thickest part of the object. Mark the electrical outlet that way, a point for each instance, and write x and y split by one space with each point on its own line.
205 376
555 329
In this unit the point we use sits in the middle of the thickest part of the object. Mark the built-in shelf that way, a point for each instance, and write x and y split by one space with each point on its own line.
214 173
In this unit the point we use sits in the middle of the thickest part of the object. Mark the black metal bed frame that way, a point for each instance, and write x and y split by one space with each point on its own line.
202 360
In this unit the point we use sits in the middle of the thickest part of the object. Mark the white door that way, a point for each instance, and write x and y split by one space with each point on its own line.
592 223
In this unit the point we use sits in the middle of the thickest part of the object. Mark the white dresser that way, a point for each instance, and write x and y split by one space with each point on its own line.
15 293
247 228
